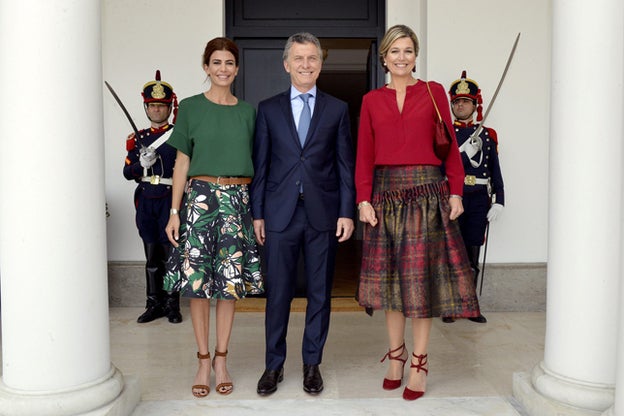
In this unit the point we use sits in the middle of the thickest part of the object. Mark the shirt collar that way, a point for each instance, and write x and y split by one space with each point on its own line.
294 92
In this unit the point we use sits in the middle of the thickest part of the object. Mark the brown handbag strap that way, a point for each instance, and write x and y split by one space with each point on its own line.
434 102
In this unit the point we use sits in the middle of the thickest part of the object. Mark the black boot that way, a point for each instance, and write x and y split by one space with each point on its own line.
153 278
172 307
171 302
473 256
153 310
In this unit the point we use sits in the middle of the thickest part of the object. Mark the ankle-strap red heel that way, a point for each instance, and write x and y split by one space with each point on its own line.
394 384
422 362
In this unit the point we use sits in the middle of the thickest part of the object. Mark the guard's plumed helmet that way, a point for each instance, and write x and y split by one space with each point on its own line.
158 91
467 88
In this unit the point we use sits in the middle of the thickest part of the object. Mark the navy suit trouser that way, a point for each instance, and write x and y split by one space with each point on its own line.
282 251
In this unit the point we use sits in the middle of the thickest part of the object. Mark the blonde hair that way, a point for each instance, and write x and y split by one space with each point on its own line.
392 34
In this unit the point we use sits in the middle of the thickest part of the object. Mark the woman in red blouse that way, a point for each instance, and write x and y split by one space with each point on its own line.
414 264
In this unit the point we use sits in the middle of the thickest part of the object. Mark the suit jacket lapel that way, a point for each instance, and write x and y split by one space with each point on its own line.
319 107
286 107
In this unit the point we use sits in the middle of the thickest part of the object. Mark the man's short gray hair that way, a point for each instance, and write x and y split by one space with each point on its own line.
302 37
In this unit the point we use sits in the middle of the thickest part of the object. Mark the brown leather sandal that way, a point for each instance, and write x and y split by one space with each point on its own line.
201 390
226 387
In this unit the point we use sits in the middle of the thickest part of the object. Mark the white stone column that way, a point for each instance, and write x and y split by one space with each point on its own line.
55 329
577 375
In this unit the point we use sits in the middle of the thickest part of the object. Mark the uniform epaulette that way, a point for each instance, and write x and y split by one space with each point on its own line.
492 134
130 144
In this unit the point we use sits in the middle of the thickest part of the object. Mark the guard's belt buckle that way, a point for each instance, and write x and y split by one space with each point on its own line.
155 179
470 180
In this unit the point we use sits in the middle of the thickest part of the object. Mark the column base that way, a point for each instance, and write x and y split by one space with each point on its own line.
111 396
545 394
610 412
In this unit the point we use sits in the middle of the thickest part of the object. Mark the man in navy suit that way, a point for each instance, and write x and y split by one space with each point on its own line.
303 199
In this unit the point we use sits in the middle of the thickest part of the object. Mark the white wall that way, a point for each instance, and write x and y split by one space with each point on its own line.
475 35
140 36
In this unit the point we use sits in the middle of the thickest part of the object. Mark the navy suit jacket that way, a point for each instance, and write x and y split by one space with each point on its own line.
325 164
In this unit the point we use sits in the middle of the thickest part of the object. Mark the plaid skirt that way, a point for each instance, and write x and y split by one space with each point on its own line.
217 256
414 261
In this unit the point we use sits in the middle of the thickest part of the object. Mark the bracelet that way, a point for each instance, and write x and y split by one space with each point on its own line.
364 204
173 211
456 196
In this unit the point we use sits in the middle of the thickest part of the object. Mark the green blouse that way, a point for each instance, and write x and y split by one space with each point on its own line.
217 138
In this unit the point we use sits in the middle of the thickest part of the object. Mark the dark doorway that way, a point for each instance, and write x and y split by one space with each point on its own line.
349 31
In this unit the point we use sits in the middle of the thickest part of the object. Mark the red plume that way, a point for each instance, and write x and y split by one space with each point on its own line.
175 107
158 75
463 76
479 106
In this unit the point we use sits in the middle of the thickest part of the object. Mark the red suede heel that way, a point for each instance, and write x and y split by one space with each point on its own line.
394 384
422 362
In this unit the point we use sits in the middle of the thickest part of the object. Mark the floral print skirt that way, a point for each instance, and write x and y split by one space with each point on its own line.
217 256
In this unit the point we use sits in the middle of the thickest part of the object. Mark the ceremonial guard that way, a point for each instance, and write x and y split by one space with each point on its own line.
484 196
150 163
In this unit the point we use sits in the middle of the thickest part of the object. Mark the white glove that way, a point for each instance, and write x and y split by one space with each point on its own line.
496 210
473 147
148 157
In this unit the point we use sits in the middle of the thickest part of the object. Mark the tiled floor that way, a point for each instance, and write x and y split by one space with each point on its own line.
471 366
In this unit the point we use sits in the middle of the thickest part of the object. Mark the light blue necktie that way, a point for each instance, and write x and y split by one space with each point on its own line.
304 119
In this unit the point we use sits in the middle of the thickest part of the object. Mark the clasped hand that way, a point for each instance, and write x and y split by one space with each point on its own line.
148 157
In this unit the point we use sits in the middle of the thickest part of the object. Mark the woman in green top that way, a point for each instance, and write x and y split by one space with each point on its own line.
210 226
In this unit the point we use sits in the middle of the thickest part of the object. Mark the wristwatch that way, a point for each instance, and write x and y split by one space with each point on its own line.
173 211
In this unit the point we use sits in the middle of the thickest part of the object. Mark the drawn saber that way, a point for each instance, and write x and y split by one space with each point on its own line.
487 237
476 134
123 107
479 129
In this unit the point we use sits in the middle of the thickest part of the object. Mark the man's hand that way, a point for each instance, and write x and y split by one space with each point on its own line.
495 212
344 229
148 157
259 231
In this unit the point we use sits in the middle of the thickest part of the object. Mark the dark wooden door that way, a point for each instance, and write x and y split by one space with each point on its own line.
260 29
262 72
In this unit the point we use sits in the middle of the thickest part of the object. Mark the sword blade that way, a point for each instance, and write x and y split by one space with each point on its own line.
123 107
487 238
498 87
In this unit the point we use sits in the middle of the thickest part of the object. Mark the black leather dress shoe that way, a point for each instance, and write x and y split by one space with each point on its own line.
268 382
479 319
312 380
447 319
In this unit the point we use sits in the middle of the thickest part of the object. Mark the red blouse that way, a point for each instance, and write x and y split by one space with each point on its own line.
388 137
